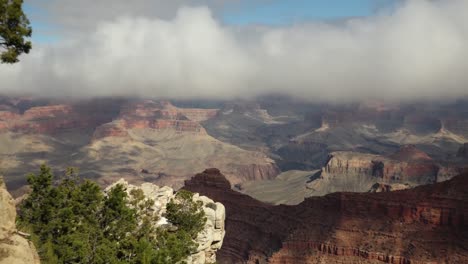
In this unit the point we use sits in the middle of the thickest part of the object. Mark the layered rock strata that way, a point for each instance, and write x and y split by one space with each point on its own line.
407 165
51 119
428 224
163 115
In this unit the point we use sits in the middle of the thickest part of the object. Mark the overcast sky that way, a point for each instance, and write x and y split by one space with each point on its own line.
233 48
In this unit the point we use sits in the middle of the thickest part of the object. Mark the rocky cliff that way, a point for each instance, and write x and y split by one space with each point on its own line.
157 115
359 172
14 248
210 239
428 224
252 228
163 115
407 165
92 113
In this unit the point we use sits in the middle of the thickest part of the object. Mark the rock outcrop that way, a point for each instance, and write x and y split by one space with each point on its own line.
406 165
14 248
252 227
210 239
359 172
428 224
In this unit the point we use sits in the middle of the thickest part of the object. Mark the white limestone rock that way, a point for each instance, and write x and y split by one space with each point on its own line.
209 240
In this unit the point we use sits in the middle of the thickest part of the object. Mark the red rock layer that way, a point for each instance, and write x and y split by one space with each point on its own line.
110 130
428 224
288 252
160 115
51 119
178 125
163 115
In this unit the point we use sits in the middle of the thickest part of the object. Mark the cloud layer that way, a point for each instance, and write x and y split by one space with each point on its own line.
417 51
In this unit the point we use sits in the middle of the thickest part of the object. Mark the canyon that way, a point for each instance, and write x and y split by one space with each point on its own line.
427 224
140 140
164 141
347 171
288 169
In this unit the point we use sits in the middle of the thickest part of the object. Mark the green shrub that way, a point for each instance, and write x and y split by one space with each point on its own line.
74 222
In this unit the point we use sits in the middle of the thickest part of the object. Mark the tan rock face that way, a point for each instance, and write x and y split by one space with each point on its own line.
210 239
13 247
409 226
253 172
348 171
418 168
8 212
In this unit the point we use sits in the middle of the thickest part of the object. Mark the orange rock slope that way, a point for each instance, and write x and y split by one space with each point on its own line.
428 224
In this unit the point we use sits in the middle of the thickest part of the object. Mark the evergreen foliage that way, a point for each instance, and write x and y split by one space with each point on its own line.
186 214
74 222
14 28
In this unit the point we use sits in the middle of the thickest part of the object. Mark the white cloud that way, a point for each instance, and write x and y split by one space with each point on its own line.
417 51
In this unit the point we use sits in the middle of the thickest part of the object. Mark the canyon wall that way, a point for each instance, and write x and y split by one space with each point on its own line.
52 119
416 167
159 115
427 224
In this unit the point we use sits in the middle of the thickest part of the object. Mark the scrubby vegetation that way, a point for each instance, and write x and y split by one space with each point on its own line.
73 221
